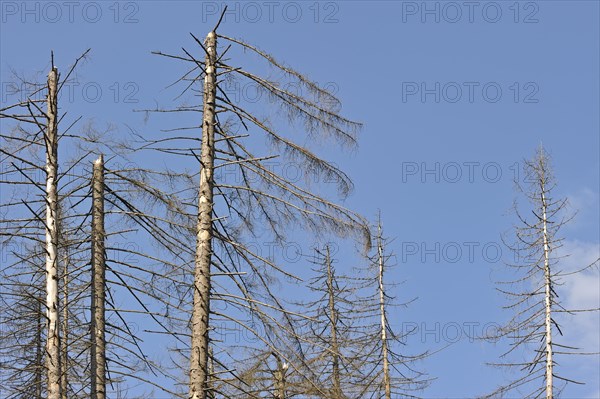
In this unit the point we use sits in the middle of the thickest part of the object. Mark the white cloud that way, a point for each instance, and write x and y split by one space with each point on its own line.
581 290
595 396
585 203
581 330
583 199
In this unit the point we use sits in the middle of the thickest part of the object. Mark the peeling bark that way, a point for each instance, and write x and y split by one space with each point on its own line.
51 142
201 307
98 363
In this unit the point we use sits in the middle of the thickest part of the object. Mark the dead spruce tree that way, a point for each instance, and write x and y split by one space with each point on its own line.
334 301
131 282
261 202
98 313
330 334
534 328
43 217
51 138
390 373
34 222
47 124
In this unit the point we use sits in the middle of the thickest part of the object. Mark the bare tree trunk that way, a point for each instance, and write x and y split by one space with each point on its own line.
201 307
548 292
384 343
98 388
51 140
334 346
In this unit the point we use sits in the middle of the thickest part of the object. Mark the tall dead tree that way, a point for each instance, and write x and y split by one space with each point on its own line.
98 317
52 294
201 308
26 238
330 328
340 328
533 299
42 220
394 372
230 212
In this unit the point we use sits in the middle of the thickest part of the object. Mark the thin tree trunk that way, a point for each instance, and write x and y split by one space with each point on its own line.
548 292
51 141
201 307
98 388
337 390
384 343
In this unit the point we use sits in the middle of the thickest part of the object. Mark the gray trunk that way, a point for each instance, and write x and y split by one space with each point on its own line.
98 363
51 141
201 307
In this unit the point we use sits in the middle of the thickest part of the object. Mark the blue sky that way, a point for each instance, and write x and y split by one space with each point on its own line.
453 96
